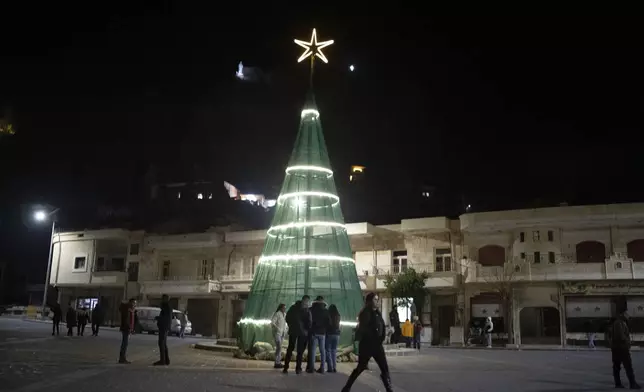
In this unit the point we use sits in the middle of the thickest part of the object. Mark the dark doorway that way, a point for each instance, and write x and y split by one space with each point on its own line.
202 313
540 325
445 321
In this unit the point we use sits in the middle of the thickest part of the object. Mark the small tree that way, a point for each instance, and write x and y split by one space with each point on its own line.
408 284
501 282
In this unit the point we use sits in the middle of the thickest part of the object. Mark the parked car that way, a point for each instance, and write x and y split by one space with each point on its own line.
148 321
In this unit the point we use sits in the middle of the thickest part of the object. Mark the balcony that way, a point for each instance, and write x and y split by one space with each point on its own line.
181 285
437 279
108 278
616 267
239 283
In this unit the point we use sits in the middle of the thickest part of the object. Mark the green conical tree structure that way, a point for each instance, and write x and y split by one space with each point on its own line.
307 249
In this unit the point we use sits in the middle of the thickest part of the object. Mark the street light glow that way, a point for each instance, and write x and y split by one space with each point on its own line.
40 216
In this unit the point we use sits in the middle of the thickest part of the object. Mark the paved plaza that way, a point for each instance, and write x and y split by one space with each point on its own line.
32 360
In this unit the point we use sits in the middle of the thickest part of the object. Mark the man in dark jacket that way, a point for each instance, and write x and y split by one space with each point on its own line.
82 317
293 331
299 323
128 321
58 316
97 318
71 320
320 324
620 344
164 320
394 321
371 334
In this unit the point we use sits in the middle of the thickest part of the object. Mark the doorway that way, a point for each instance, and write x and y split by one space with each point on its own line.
539 325
446 315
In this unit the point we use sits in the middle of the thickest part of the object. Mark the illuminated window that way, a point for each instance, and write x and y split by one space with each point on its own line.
200 196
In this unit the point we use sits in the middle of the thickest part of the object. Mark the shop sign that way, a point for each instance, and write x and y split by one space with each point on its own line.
603 288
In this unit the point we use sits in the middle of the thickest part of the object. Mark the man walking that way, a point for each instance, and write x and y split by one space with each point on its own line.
164 320
128 321
278 325
620 344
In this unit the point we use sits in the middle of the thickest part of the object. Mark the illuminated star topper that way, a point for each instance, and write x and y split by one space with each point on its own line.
313 48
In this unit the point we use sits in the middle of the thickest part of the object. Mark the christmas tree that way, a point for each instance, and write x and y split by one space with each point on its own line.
307 249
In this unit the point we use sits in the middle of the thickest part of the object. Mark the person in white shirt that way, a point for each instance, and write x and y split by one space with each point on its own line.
280 329
488 328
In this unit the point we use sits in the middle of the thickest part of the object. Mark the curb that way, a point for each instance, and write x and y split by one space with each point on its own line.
531 348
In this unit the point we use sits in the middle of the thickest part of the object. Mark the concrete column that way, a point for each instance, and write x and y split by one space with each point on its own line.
224 317
183 303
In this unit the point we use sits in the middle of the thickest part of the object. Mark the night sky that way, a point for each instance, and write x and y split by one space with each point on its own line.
498 113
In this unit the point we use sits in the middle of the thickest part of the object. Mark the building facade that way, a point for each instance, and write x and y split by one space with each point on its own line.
545 276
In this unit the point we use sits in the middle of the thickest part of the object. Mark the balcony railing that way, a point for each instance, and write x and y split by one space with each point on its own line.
237 278
175 284
396 269
614 267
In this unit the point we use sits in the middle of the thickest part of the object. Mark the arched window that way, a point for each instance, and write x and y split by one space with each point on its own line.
492 255
590 252
635 250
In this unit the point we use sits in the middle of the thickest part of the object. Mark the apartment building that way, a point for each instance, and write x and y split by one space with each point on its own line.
555 271
547 273
89 266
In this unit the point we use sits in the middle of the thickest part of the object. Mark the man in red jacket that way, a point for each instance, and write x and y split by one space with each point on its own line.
128 321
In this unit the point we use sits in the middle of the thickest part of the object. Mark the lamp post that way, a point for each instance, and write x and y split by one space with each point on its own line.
42 216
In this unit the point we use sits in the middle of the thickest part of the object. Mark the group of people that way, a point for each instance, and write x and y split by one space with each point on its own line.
129 320
318 326
77 318
411 333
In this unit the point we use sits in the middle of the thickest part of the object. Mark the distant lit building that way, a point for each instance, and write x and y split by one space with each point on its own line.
357 172
252 198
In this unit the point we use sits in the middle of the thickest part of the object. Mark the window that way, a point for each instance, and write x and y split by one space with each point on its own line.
134 249
443 260
207 269
100 264
118 264
399 261
522 255
536 236
551 257
165 271
551 235
133 272
521 237
80 263
537 257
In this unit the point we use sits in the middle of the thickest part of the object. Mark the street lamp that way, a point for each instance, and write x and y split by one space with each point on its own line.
42 216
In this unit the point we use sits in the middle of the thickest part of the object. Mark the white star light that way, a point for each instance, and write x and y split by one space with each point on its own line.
313 48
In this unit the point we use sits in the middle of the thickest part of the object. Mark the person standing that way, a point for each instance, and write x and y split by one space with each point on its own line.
332 339
71 320
408 332
279 328
164 321
97 318
183 320
488 328
303 323
128 321
321 321
418 330
371 334
620 344
58 316
394 321
293 326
